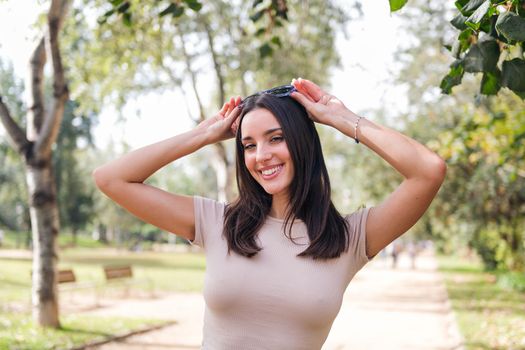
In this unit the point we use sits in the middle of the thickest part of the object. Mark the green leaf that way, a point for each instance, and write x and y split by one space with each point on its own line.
474 21
511 26
460 4
513 75
170 9
453 78
490 83
277 41
462 43
256 2
173 9
459 22
265 50
104 18
126 18
124 7
257 15
483 56
194 5
260 31
178 12
396 5
470 7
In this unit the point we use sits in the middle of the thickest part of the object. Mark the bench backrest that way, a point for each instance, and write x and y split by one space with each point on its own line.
116 272
66 276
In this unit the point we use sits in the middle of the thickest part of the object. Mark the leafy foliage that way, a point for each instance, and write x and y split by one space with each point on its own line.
491 41
482 203
275 11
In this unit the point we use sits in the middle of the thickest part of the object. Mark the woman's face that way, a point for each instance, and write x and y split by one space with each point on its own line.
266 154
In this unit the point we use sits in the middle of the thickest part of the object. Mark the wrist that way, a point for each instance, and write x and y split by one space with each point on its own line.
350 124
202 137
345 120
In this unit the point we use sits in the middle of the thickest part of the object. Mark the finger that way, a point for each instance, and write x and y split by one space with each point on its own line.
231 106
224 108
233 116
313 90
301 89
302 99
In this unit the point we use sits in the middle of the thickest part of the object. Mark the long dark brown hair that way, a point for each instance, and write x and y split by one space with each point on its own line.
310 192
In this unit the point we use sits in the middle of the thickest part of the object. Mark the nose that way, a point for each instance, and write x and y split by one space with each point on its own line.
263 154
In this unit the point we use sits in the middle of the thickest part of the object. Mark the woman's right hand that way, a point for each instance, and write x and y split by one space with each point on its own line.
219 127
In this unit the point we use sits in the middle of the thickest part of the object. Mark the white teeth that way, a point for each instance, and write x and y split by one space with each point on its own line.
270 171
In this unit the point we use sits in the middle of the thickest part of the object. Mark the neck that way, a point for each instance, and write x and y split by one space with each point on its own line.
280 204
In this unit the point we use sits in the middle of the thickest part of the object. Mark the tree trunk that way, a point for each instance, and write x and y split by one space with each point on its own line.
36 147
45 225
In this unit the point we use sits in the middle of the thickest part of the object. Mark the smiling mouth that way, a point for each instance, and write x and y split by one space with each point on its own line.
271 172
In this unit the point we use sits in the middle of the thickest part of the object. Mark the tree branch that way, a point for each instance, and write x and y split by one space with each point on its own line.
215 58
192 73
36 102
16 135
51 126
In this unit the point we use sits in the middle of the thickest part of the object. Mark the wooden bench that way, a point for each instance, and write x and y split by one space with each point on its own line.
66 276
67 282
123 275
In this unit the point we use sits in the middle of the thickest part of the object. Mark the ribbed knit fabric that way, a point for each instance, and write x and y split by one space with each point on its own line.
274 300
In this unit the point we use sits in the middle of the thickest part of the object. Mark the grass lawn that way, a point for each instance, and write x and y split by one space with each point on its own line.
489 316
17 331
168 272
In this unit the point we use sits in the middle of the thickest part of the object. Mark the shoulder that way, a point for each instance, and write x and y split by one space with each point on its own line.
357 219
207 205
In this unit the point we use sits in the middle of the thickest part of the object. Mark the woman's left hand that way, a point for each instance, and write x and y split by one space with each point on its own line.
321 106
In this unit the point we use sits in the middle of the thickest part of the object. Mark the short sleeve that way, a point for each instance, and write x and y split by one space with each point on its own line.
357 233
209 218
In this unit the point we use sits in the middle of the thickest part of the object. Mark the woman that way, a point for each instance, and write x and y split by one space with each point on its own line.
280 257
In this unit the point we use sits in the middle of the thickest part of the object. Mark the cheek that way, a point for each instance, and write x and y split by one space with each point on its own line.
249 161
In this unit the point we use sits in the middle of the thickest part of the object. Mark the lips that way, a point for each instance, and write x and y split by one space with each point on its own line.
271 171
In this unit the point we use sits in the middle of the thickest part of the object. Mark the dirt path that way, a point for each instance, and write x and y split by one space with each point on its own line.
383 308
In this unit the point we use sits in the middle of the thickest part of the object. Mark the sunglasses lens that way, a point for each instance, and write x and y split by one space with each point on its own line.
281 91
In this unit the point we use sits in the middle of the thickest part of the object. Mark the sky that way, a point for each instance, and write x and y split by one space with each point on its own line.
363 83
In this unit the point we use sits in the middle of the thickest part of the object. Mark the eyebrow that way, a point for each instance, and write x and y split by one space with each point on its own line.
267 132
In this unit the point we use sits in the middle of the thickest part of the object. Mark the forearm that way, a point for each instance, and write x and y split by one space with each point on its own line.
140 164
410 158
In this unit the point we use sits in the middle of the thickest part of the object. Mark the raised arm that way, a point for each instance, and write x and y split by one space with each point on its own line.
122 179
423 170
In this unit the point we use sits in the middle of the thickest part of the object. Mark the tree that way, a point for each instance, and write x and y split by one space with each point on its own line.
35 147
491 41
176 52
481 203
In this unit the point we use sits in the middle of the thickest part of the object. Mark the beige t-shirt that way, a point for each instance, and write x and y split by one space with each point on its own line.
274 300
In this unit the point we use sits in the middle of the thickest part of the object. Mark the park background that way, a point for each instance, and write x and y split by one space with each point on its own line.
137 77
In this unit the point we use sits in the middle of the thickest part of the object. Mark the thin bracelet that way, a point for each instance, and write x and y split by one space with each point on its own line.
355 129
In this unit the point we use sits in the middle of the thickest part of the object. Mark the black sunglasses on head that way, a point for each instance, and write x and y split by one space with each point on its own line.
278 91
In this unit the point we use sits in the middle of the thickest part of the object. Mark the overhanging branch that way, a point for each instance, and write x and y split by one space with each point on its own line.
16 135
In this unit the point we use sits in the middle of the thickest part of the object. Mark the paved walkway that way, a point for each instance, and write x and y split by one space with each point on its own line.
383 308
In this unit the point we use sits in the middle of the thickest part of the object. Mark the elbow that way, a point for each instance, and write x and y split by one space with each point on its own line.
436 170
101 179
